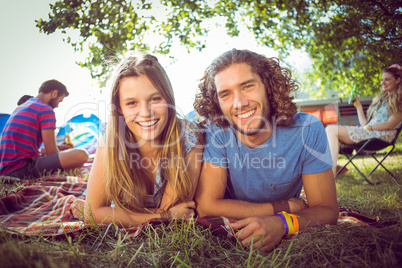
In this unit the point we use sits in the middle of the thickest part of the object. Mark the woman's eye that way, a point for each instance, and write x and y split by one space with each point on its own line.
156 99
131 103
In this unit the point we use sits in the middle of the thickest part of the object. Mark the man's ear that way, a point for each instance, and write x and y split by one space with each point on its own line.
55 93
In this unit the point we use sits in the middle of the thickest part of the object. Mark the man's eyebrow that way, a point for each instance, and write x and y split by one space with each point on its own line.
248 81
222 91
252 80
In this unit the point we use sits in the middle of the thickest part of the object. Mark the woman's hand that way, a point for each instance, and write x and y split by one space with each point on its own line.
77 209
357 103
183 210
296 204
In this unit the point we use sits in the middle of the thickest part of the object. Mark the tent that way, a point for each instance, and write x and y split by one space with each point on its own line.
84 132
3 121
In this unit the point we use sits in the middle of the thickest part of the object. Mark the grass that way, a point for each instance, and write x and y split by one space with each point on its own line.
190 245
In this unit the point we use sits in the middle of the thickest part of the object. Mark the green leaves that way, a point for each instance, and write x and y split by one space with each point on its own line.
348 41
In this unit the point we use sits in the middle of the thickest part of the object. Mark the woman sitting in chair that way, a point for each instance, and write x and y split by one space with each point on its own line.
384 116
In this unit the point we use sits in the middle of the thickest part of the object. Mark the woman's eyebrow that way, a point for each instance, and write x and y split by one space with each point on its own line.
147 97
128 98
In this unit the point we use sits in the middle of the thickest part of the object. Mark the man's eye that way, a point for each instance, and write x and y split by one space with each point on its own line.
224 95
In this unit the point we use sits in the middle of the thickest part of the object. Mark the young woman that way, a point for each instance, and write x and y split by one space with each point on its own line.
149 164
384 115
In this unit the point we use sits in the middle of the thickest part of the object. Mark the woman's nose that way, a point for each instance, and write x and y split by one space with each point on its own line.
145 110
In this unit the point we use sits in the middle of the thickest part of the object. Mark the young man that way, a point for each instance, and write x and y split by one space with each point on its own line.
260 151
31 123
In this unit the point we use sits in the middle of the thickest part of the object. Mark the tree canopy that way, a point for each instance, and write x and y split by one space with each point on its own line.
348 41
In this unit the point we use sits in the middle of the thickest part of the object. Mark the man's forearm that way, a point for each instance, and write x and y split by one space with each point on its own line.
317 215
236 209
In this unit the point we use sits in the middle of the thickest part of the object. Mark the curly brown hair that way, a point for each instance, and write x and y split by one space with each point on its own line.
278 83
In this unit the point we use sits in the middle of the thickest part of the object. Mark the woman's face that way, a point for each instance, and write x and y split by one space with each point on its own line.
389 83
144 109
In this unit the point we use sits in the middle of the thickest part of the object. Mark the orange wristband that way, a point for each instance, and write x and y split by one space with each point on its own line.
295 222
292 222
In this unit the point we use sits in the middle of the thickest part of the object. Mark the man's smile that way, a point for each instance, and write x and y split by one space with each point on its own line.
246 115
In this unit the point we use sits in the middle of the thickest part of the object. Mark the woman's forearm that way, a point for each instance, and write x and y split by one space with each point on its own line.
123 218
361 116
382 126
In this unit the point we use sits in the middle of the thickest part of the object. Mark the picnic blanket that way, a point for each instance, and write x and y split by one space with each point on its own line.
42 208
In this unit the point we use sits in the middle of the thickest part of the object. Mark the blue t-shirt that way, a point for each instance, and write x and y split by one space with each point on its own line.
271 171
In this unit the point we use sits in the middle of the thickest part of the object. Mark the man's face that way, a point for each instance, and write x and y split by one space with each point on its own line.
54 102
243 99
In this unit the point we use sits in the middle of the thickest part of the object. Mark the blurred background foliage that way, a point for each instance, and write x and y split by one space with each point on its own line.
348 41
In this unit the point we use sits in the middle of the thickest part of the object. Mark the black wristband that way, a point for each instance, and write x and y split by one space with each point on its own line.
281 205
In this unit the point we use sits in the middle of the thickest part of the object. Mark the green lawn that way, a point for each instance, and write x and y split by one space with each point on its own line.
190 245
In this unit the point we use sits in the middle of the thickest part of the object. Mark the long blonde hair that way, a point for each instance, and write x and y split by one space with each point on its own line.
126 185
395 100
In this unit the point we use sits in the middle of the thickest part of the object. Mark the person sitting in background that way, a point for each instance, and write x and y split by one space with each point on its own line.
63 146
31 123
384 116
260 152
24 99
149 163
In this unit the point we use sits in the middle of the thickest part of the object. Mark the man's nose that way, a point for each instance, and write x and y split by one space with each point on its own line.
239 100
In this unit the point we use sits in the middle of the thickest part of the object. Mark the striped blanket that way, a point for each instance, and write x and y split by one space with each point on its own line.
43 209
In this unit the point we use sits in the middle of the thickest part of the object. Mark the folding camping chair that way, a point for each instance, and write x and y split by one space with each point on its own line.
368 147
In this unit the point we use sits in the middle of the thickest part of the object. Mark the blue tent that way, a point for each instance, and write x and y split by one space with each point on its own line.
3 121
84 132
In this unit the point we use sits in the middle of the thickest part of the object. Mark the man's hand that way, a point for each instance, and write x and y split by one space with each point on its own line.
65 146
262 233
296 204
43 151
